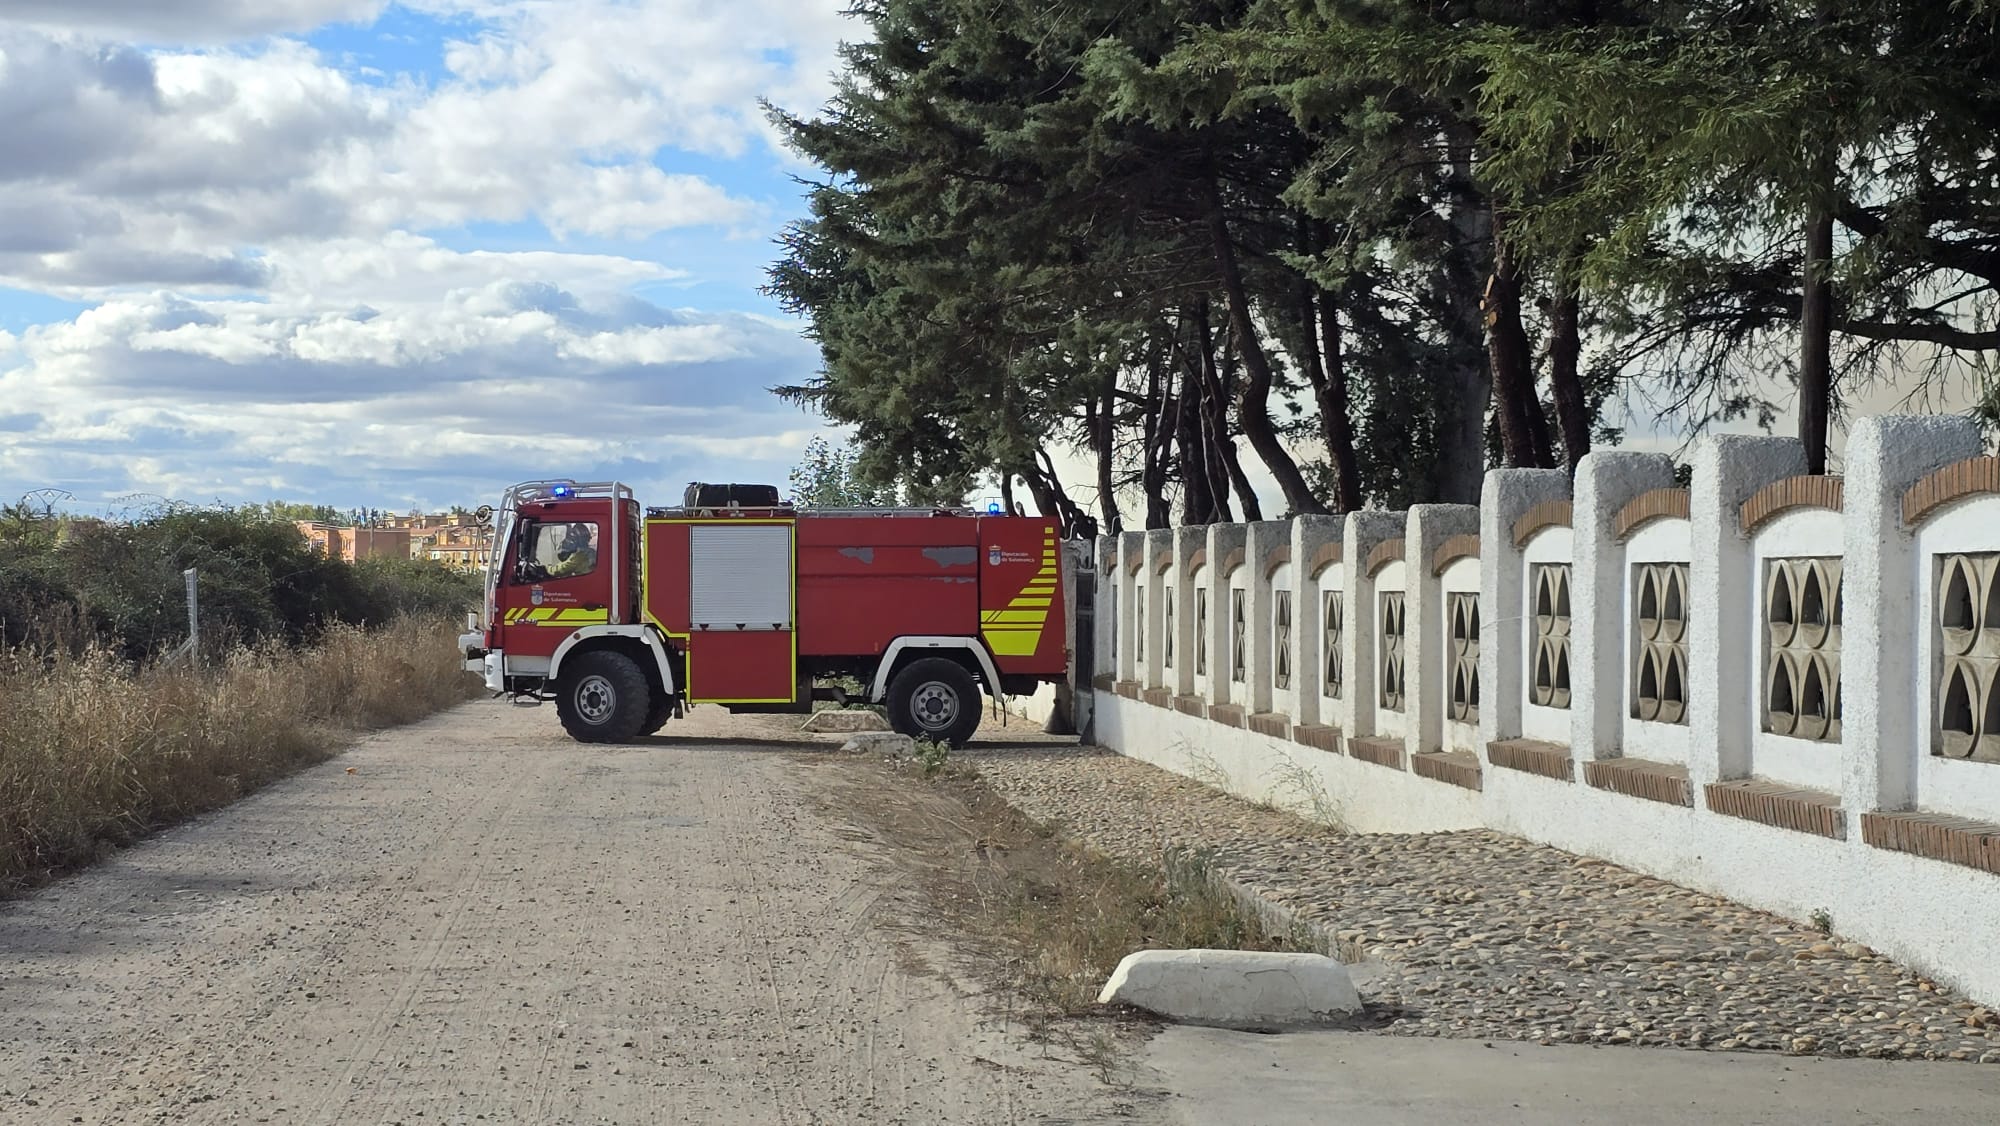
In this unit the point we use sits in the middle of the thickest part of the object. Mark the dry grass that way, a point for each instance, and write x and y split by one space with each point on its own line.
94 754
1049 916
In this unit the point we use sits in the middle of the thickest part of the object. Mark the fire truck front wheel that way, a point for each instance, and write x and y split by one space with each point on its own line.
602 697
934 698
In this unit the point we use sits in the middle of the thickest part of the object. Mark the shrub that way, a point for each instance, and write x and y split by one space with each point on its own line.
259 581
98 751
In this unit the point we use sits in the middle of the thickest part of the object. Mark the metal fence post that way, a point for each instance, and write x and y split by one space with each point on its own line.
194 617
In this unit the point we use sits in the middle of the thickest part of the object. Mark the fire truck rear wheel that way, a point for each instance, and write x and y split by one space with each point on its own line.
934 698
602 697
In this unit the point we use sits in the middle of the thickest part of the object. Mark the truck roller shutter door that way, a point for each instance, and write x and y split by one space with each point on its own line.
741 576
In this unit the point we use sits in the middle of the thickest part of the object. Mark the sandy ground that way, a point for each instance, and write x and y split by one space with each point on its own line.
477 920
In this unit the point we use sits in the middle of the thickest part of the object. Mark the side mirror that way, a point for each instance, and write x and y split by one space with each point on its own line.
472 621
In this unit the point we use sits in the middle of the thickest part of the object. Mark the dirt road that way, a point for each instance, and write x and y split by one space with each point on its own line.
476 920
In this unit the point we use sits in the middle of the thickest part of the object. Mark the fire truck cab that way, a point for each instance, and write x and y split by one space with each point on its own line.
626 618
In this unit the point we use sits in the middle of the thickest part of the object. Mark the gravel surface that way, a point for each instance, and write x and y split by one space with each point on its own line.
476 921
1483 935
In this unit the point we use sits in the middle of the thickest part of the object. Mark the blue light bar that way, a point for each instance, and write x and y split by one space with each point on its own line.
992 508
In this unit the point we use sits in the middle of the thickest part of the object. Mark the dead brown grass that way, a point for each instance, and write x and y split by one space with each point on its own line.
1046 916
94 754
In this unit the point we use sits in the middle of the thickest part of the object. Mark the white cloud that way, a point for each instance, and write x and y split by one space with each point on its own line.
128 167
462 368
187 21
277 246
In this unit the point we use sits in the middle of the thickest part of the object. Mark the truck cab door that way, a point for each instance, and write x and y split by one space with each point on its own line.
557 579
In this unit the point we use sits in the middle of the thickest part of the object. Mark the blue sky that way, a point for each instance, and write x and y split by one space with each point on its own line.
396 254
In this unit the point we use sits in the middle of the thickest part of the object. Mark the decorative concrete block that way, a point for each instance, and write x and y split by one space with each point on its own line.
1426 638
1131 580
1606 481
1190 570
1261 540
1312 538
1243 989
1361 534
1159 561
1226 544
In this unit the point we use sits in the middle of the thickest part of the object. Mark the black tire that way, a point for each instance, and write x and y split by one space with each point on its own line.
658 715
935 698
603 697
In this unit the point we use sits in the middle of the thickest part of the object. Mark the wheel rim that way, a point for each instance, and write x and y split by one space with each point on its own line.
934 706
595 699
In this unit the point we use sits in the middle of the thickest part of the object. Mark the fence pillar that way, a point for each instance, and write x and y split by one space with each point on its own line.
1504 661
1605 482
1363 532
1723 681
1883 582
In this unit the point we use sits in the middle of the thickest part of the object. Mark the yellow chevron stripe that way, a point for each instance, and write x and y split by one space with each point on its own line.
1037 617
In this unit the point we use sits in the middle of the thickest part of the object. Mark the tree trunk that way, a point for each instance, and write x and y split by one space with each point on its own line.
1816 339
1103 435
1253 411
1225 446
1197 504
1051 497
1320 346
1333 408
1507 355
1565 352
1214 418
1460 470
1158 437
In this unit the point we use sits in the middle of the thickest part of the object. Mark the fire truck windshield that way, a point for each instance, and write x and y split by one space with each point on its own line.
565 550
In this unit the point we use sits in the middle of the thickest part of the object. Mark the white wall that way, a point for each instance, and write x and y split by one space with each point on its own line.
1935 914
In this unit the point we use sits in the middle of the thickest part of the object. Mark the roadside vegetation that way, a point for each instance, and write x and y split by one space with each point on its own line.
66 581
105 740
1051 917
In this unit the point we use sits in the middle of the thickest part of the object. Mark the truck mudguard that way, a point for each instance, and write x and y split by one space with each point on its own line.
879 690
645 634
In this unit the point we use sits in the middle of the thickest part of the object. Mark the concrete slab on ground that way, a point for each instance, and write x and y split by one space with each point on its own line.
1340 1078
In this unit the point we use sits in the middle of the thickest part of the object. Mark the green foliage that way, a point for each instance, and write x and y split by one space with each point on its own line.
70 580
826 477
932 755
283 510
1028 218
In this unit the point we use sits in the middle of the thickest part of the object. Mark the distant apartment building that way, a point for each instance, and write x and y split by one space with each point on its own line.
456 539
339 542
466 546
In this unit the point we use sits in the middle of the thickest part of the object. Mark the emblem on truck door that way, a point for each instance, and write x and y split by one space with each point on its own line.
535 595
993 556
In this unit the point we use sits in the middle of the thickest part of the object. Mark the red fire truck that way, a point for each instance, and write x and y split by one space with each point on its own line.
625 618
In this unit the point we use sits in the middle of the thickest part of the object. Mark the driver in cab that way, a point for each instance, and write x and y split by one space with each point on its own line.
578 553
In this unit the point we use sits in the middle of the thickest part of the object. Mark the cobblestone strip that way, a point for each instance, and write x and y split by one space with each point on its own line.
1483 935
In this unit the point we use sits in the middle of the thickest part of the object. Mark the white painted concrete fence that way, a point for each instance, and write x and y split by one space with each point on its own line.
1778 688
